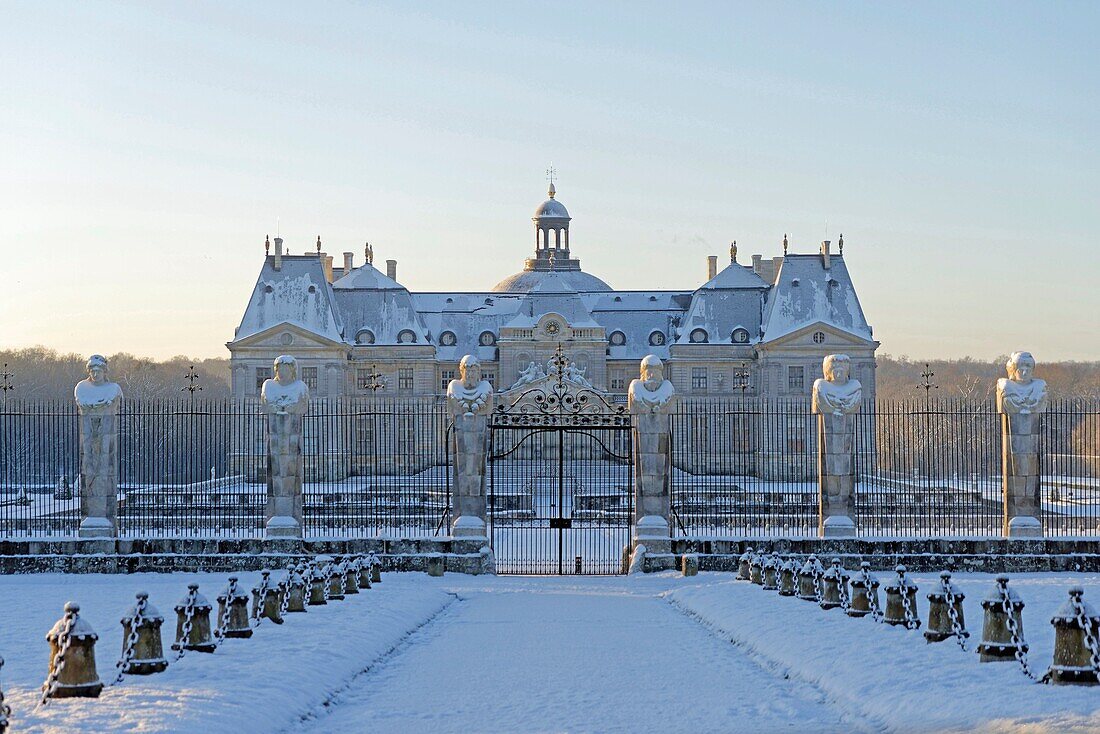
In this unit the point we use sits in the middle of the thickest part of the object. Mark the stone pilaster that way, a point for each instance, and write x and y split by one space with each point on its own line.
98 472
1020 470
652 502
836 474
283 512
470 439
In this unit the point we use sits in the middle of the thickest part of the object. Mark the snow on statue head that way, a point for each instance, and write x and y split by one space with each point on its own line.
1020 392
469 395
651 392
836 392
285 393
97 392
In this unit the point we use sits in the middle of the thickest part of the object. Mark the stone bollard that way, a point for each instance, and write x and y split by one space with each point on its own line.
265 600
142 648
807 580
435 565
294 589
743 564
233 611
689 564
334 573
999 643
901 602
351 575
942 623
193 622
364 572
788 574
375 569
72 658
756 569
864 593
1076 645
318 585
834 584
769 572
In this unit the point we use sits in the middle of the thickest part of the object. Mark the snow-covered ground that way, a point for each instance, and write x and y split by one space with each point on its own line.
484 654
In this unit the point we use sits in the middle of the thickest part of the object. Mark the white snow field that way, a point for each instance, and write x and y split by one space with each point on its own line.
522 654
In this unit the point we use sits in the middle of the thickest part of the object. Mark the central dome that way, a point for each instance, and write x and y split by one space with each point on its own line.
551 208
527 280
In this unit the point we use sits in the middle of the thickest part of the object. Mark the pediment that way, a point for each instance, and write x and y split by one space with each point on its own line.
831 338
286 336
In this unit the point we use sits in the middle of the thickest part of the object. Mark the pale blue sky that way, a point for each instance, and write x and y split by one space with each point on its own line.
149 147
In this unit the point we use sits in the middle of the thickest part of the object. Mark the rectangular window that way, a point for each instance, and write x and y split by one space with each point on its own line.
262 373
698 379
741 382
618 380
796 379
363 379
405 380
309 376
445 377
491 378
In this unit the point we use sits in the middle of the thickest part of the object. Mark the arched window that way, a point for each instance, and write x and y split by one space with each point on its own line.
617 338
698 336
740 336
406 336
657 339
364 336
448 339
487 339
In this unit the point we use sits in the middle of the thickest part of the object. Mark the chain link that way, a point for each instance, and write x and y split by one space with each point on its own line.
188 616
1086 628
258 604
5 710
911 620
817 572
872 595
64 639
842 590
223 617
284 603
131 640
1018 641
956 624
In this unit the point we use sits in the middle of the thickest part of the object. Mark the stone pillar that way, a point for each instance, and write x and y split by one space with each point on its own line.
469 401
836 400
285 400
98 400
651 398
1021 400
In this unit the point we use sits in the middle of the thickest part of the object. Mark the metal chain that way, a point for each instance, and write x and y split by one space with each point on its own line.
956 625
911 621
63 641
323 574
5 710
872 597
1086 627
131 641
261 593
817 572
1014 630
188 615
223 618
842 590
284 603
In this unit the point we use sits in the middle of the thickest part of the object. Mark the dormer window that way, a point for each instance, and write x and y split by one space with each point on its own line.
364 336
617 338
406 336
698 336
312 289
657 339
487 339
740 336
448 339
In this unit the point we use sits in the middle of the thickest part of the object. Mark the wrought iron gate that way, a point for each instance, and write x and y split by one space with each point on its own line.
561 478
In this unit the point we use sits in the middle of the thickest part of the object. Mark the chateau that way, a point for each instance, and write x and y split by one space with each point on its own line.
759 329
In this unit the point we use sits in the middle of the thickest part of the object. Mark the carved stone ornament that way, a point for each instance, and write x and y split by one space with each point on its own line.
651 393
837 393
1020 392
469 395
97 394
285 393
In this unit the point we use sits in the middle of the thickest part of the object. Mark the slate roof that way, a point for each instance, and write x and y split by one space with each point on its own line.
297 294
806 292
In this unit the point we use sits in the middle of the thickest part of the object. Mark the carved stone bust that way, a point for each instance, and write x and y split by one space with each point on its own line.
469 395
285 393
837 393
1020 392
650 393
96 393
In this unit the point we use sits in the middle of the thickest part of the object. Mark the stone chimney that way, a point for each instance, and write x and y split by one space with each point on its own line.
278 253
712 266
756 264
326 265
825 254
348 256
391 269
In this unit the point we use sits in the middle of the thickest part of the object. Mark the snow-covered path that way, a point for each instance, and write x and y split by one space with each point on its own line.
577 655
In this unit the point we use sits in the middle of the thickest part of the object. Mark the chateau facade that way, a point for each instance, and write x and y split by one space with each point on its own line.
758 329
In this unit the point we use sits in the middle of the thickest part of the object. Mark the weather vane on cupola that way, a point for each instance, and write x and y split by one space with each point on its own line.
551 172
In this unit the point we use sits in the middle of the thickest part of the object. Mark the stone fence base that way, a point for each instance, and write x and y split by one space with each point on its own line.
995 555
223 555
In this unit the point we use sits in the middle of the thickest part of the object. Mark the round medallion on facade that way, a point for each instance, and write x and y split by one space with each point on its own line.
286 339
819 337
553 327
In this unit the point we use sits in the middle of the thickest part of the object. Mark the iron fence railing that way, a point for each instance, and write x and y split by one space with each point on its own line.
1069 464
39 466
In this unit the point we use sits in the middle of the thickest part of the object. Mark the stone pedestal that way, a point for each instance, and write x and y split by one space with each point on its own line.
1020 467
99 471
283 512
836 475
470 439
652 503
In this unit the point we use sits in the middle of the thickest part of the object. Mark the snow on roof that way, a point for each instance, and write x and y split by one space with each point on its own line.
297 294
806 293
736 276
385 313
366 276
526 280
720 311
